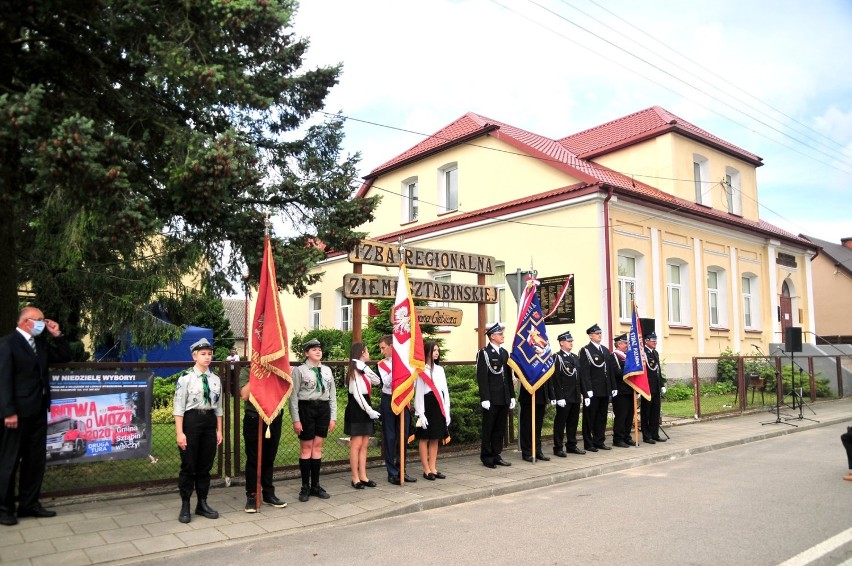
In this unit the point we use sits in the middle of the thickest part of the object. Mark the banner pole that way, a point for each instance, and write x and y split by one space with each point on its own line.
532 428
636 418
259 459
402 447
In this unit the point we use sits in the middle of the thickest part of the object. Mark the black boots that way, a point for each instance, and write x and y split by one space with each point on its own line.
205 510
184 516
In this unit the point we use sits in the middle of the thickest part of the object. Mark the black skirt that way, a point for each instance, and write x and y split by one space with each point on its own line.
356 422
437 425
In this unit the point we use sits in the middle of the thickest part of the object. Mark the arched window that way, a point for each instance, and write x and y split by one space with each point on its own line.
344 311
631 282
448 187
410 200
751 301
677 292
717 297
701 174
315 302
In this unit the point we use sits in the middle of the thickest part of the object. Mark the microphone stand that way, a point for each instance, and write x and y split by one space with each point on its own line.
778 381
797 392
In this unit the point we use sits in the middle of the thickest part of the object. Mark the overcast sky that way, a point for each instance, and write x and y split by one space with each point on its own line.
773 77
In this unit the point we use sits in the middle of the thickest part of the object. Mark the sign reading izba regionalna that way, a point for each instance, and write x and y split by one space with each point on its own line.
389 255
357 286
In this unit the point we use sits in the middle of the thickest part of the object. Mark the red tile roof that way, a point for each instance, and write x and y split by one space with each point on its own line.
644 125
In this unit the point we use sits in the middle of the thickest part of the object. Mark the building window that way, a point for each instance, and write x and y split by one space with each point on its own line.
497 311
675 294
626 286
717 300
733 192
751 301
701 174
344 312
448 187
410 200
441 278
316 311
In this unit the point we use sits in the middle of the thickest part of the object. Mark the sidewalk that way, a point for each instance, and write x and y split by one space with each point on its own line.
129 528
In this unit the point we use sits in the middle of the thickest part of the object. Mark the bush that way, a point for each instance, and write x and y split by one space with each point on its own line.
335 343
821 384
718 388
678 391
464 409
726 368
164 390
163 415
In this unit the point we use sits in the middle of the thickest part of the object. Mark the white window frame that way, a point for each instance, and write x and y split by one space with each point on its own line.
681 316
733 191
719 296
626 283
315 315
701 175
343 317
410 200
497 311
442 277
751 302
448 187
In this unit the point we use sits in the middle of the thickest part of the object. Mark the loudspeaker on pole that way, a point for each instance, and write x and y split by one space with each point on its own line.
793 339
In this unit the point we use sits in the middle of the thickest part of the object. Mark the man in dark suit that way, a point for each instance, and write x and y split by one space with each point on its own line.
622 401
565 394
656 383
597 384
24 403
496 395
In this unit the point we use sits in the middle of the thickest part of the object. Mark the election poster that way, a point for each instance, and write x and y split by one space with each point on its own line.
99 416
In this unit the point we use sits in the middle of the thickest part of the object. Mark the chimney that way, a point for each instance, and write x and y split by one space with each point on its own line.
847 242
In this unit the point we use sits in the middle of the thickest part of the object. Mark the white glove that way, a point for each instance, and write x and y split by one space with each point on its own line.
590 393
553 402
587 401
486 405
421 422
561 402
360 365
448 421
664 390
614 392
374 414
512 404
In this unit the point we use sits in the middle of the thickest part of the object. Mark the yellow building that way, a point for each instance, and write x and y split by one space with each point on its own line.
832 271
647 206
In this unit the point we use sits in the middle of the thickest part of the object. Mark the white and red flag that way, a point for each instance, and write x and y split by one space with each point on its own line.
408 357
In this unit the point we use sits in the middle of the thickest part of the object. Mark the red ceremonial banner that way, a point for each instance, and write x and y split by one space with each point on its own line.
408 357
270 379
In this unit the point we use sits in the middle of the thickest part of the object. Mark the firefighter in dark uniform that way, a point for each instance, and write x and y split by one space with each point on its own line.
622 401
496 395
656 383
565 396
597 385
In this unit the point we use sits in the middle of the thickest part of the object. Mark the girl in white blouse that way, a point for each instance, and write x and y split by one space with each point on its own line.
432 407
359 416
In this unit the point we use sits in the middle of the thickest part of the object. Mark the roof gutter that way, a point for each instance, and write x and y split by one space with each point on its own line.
608 257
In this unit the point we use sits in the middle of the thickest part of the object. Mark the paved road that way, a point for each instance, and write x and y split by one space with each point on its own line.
759 503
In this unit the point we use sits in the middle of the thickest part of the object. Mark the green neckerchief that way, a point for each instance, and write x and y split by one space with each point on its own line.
320 385
206 388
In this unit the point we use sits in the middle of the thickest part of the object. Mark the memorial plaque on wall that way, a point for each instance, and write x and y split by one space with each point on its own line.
548 294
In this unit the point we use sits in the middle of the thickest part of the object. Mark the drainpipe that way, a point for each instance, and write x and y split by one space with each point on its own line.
607 253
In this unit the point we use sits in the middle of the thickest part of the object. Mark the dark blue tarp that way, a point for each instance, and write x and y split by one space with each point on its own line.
177 351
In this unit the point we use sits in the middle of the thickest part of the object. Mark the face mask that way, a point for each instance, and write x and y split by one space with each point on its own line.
38 327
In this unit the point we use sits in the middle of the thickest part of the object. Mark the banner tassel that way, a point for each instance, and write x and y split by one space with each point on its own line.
268 434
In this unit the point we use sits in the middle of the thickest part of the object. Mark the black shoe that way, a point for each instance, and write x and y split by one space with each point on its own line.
430 476
37 511
358 485
318 491
621 444
603 447
368 483
274 501
440 476
304 493
205 510
576 450
394 480
409 479
630 442
527 458
251 503
502 462
648 441
560 453
184 516
591 449
543 458
8 519
656 439
489 464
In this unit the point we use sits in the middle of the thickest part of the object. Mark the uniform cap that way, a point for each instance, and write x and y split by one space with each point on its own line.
312 343
495 328
202 344
565 336
593 328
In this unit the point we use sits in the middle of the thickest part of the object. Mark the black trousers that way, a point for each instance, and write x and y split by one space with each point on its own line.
651 417
622 408
390 434
594 422
493 432
846 439
197 459
269 450
23 448
565 426
525 428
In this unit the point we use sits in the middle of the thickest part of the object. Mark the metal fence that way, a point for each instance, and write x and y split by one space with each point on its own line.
734 384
